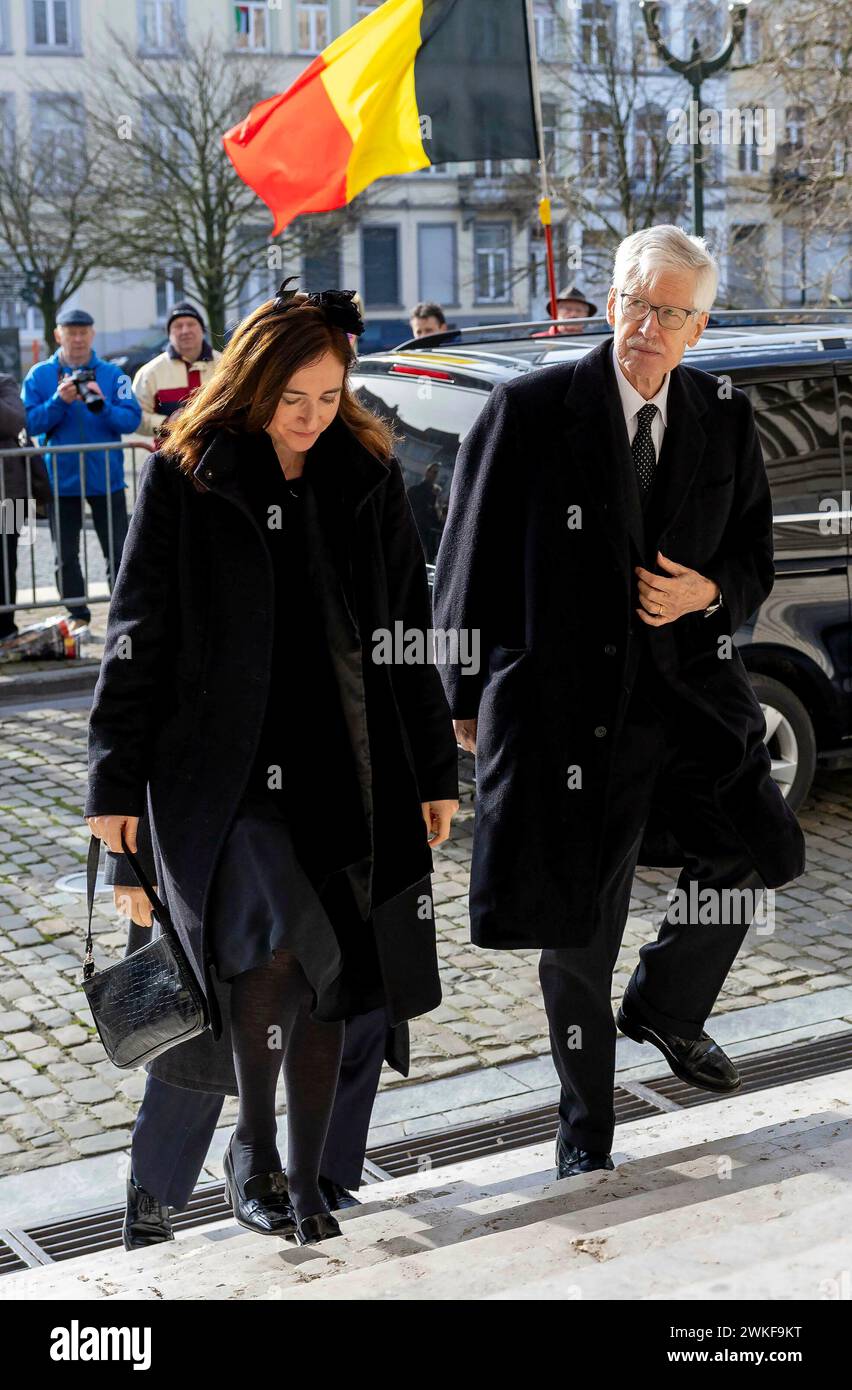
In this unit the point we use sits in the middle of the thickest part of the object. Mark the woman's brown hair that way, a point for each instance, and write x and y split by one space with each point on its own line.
267 348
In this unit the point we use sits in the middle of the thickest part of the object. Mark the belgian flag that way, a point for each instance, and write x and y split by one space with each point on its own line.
414 83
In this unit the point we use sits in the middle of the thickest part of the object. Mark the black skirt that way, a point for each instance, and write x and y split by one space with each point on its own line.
262 900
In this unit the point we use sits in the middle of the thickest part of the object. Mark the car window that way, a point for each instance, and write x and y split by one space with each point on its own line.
797 422
432 420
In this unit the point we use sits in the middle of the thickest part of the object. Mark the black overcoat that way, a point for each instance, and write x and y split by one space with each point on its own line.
182 691
544 528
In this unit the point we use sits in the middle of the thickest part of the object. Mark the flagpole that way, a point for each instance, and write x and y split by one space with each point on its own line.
544 200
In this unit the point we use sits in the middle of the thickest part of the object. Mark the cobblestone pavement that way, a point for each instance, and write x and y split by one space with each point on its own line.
60 1098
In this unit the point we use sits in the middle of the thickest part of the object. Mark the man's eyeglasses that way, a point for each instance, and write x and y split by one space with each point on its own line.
635 309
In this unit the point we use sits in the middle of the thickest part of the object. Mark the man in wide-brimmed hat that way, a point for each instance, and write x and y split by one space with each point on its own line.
572 307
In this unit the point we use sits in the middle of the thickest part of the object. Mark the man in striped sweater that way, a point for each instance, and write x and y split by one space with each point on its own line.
164 383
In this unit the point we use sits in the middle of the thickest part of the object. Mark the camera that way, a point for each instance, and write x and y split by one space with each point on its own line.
82 378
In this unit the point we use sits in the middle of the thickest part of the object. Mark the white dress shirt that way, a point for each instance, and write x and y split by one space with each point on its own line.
632 403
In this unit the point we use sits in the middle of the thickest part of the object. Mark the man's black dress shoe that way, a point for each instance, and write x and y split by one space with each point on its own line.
146 1220
313 1229
336 1196
698 1061
571 1160
263 1205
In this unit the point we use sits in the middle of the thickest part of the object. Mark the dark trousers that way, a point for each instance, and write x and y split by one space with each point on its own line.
8 591
174 1126
678 977
65 515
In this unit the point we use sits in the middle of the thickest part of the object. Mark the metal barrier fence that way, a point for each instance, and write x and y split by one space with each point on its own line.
18 514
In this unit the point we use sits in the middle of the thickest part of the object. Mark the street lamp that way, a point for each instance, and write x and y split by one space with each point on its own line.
696 69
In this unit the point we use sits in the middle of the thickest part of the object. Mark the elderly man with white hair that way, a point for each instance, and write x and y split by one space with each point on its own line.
609 529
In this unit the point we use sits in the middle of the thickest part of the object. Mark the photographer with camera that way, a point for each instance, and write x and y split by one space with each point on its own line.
76 398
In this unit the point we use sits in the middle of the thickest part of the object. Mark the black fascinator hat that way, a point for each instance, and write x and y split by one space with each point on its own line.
338 306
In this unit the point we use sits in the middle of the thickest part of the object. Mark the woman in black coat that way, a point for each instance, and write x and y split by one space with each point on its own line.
292 776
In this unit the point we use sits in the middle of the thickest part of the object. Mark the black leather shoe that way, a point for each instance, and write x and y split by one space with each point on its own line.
699 1061
263 1205
313 1229
336 1196
146 1220
571 1160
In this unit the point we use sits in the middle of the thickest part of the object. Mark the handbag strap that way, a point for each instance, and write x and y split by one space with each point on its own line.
92 861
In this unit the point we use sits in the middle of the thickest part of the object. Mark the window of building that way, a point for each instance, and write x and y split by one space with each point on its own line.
51 24
704 20
597 31
436 260
550 134
751 46
252 26
795 120
645 52
596 142
321 266
492 262
816 264
748 150
55 117
170 288
546 21
650 146
488 168
159 25
5 31
313 27
362 10
746 267
380 257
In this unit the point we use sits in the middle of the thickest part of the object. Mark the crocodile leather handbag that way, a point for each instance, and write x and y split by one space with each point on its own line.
150 1000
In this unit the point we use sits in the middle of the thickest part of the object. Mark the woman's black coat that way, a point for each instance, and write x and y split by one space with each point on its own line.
182 692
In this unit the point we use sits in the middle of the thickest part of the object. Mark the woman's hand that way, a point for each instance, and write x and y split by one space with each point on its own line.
109 828
133 903
438 816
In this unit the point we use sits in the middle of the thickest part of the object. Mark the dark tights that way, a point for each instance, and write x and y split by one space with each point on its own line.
270 1017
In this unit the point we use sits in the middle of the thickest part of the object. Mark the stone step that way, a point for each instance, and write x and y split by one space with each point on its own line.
694 1178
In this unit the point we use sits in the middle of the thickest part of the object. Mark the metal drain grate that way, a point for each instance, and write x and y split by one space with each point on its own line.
760 1071
10 1260
477 1140
101 1230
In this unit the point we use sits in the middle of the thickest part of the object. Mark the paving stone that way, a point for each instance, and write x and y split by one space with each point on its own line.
33 1086
103 1142
71 1034
13 1021
29 1042
89 1091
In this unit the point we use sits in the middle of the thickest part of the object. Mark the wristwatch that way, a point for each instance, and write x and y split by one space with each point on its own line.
715 605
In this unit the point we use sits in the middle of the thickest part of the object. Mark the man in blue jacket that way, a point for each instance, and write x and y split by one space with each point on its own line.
77 398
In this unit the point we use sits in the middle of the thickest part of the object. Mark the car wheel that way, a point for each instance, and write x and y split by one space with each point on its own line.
789 737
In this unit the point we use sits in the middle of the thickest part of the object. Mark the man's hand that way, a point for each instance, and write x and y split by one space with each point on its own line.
465 731
437 816
664 600
109 828
67 390
133 903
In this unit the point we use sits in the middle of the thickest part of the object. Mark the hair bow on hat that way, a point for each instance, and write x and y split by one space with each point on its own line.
337 305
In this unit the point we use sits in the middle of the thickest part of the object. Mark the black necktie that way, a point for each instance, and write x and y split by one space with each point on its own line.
642 448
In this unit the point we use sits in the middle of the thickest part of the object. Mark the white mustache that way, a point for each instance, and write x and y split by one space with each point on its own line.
641 343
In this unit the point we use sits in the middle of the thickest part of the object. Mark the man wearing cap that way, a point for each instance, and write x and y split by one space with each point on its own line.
571 305
164 383
75 397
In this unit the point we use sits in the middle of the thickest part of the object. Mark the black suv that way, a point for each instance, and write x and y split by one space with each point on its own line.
798 645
